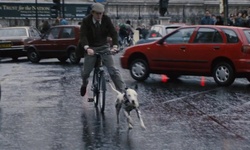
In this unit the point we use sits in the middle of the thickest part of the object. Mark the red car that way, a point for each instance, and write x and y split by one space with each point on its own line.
222 52
59 42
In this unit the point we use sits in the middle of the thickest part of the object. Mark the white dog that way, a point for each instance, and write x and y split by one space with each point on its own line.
128 101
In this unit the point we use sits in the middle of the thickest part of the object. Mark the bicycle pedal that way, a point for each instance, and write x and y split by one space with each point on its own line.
90 99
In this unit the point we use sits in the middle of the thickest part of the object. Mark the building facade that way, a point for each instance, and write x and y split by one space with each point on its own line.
138 11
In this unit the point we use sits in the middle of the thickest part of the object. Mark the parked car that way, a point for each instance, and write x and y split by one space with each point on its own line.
156 32
222 52
12 40
59 42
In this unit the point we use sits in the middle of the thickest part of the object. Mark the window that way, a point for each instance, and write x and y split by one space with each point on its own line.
180 36
208 35
7 32
247 33
34 32
155 32
170 29
68 33
54 33
231 36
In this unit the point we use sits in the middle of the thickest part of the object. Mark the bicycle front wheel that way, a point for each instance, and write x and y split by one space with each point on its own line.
95 89
102 92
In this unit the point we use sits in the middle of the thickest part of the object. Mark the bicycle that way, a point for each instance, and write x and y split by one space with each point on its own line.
98 86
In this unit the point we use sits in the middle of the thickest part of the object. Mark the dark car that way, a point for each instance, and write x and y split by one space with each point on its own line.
59 42
12 40
222 52
156 32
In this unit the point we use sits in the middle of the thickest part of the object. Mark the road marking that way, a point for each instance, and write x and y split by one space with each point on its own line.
181 98
214 119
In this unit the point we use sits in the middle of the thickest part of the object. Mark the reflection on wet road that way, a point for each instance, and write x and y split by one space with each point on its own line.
41 109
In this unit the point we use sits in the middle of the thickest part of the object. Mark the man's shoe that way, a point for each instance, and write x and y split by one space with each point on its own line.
83 90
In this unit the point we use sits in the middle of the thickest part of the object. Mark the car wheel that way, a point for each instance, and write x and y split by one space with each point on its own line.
223 74
33 56
73 58
139 70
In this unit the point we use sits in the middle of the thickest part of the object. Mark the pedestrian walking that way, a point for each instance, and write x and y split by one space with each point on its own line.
45 26
144 31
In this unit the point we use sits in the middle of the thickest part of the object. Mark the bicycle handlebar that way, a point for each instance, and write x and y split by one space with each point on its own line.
107 53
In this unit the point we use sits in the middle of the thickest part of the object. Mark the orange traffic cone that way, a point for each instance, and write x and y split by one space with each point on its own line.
202 81
164 78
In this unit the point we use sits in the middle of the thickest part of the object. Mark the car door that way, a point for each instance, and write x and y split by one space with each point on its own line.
67 38
207 45
172 54
48 45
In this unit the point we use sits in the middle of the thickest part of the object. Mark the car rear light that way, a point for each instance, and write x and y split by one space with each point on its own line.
153 35
246 49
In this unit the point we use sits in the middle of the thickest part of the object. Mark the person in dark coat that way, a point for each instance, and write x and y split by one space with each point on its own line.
219 21
239 20
207 19
94 31
144 31
45 26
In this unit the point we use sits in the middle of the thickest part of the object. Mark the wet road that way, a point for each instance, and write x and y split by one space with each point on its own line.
41 109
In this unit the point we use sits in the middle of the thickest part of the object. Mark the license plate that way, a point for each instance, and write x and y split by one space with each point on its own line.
5 45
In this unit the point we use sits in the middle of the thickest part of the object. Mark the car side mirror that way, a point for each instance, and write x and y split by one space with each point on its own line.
161 41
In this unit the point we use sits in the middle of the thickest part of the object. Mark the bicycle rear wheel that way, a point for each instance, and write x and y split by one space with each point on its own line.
102 92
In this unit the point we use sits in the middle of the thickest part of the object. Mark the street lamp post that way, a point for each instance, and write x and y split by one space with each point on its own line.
117 16
225 8
63 7
36 14
183 13
139 13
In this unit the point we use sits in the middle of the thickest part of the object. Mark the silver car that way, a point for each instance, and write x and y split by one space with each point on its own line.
12 40
158 31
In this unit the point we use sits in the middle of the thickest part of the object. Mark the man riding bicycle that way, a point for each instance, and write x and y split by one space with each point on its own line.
95 29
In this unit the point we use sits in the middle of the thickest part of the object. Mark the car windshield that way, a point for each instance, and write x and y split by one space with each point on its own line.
7 32
153 34
170 29
156 33
247 33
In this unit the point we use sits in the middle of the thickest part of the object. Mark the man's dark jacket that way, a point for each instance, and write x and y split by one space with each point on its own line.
87 32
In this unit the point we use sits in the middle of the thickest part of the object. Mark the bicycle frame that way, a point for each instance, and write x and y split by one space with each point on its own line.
99 83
